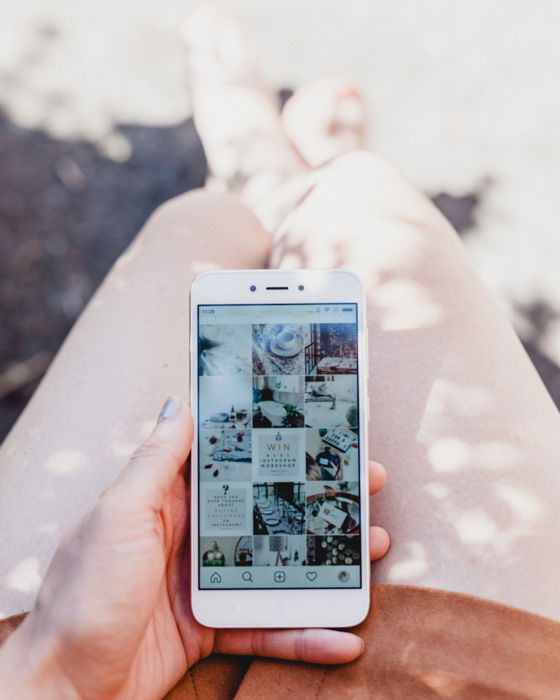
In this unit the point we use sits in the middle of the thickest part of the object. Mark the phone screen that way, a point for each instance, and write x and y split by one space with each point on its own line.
279 451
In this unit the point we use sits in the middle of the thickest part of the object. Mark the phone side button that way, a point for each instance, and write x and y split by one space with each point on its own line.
367 352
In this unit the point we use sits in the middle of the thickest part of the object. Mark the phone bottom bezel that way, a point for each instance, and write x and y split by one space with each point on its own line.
281 608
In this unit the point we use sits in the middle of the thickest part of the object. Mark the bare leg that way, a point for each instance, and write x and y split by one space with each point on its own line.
128 351
458 414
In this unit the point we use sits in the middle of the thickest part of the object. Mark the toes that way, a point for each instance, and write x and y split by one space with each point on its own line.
324 119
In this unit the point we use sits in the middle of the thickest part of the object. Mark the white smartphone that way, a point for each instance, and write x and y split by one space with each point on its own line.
278 370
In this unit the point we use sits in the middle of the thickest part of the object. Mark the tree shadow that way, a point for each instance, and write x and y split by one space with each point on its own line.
66 213
537 316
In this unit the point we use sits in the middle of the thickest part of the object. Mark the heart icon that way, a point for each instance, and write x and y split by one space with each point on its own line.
311 575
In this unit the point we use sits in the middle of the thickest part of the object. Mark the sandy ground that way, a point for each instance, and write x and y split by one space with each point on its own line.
95 134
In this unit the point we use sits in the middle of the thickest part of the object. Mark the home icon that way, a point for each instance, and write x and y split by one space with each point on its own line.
215 578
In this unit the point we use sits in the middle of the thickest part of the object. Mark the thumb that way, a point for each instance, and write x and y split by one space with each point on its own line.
152 469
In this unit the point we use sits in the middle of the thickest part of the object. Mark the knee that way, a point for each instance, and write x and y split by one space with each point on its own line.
202 214
215 224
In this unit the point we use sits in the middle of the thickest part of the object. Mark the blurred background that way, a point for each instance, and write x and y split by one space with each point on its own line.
95 133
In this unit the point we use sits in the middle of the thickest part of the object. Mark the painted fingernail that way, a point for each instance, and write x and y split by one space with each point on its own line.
170 409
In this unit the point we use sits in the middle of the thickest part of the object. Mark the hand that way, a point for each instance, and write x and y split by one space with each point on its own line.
113 615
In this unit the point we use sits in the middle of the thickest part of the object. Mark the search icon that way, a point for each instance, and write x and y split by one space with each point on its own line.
247 576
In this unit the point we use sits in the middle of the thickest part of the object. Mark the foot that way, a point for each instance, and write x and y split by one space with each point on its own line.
325 119
236 117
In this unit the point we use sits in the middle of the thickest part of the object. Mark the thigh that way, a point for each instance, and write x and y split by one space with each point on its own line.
464 425
125 355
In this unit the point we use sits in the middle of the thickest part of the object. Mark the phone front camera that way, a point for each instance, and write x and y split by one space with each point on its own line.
301 287
253 288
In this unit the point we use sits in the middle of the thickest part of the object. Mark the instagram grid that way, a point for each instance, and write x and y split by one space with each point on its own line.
279 451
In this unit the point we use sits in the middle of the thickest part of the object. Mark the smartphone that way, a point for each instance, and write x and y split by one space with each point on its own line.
278 369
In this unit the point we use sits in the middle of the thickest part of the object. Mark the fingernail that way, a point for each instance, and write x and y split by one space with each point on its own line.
170 409
363 646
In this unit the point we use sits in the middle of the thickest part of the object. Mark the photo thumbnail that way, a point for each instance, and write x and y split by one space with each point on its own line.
279 454
331 454
333 550
226 551
333 508
278 401
280 550
224 349
331 401
277 348
331 348
279 508
225 402
225 455
225 509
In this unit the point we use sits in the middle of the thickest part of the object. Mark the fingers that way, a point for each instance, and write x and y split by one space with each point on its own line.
379 542
153 467
314 646
377 477
311 645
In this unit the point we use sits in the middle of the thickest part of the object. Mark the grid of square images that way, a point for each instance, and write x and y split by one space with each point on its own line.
279 452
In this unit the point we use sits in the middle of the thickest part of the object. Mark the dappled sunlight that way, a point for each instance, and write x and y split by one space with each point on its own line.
475 527
412 566
406 305
498 455
125 438
198 267
436 490
462 399
291 261
66 461
445 684
122 449
25 576
525 506
449 454
315 252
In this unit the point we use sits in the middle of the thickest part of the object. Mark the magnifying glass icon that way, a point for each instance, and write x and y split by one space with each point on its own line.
247 576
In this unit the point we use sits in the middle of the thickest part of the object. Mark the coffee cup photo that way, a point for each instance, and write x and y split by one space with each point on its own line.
286 340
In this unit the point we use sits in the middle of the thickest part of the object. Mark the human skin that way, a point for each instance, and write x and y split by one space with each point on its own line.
458 412
113 616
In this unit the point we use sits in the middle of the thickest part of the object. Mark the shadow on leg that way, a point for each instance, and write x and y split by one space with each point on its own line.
125 355
460 418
